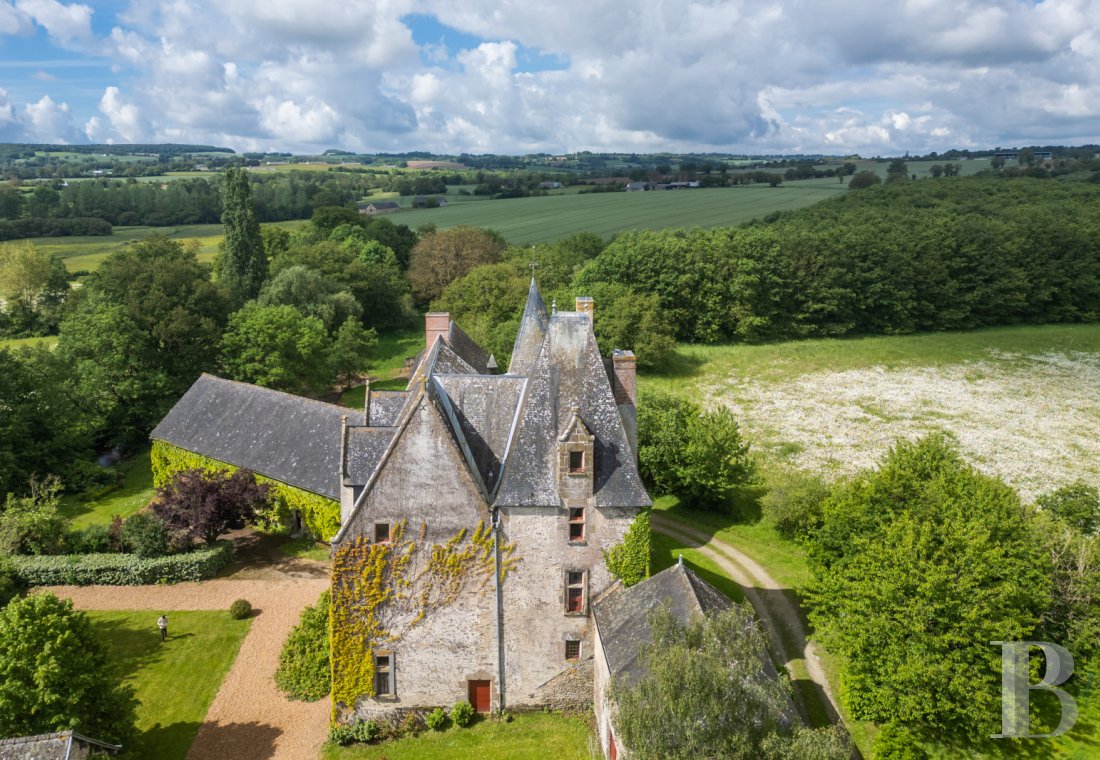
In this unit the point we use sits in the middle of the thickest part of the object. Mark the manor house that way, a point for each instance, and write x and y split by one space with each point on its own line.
475 509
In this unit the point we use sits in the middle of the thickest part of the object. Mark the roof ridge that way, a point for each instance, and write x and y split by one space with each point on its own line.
347 409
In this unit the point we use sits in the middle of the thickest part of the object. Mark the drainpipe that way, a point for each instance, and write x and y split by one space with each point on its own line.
500 610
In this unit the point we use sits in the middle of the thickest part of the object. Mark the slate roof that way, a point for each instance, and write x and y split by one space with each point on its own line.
532 333
364 449
385 407
621 617
56 746
569 373
471 353
482 412
287 438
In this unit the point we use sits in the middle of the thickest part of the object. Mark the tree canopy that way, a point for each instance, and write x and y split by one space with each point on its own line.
243 266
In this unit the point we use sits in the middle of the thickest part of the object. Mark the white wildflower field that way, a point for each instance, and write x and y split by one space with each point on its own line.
1029 417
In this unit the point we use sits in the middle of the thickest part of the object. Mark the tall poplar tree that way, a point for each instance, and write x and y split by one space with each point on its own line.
244 264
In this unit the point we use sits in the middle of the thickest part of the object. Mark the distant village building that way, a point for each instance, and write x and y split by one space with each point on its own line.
379 207
636 187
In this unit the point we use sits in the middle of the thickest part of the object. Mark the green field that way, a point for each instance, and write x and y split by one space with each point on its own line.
135 493
85 253
176 680
529 735
543 219
49 341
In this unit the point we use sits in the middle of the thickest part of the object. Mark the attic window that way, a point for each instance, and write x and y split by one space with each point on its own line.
572 650
381 533
574 592
576 461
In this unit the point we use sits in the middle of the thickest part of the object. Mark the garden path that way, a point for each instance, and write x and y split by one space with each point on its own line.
781 617
250 719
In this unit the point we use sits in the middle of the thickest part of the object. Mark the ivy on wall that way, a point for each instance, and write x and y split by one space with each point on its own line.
381 591
321 516
629 561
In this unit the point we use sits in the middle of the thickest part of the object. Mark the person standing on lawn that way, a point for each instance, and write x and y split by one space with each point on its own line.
162 624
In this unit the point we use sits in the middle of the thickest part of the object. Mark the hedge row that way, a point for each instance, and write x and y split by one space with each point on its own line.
121 569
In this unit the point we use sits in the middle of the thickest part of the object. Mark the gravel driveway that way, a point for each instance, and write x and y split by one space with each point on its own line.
249 718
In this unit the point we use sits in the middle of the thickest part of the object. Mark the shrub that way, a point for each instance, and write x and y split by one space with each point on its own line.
1078 504
895 742
145 535
462 714
9 582
32 524
360 731
304 661
629 561
411 724
205 504
94 539
436 719
240 609
793 502
82 476
121 569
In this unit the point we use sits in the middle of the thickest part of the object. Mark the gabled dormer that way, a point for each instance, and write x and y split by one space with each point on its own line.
576 463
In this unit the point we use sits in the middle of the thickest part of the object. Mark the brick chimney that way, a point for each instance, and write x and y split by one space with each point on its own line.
436 323
586 305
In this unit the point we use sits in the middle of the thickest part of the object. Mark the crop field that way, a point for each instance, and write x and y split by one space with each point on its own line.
544 219
1021 401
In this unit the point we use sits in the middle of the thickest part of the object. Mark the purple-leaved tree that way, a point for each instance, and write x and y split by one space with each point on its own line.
203 504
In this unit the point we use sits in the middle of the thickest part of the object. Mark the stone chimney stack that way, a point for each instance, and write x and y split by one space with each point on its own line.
436 323
586 305
623 374
625 377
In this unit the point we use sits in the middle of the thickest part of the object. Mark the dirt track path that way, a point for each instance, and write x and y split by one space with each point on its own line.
249 718
780 616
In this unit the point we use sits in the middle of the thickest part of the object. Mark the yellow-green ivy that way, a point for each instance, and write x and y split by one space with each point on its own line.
629 561
377 597
321 516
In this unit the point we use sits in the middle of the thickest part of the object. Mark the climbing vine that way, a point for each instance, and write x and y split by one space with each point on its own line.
381 591
629 561
321 516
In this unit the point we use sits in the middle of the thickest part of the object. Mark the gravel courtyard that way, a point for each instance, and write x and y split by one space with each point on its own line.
1031 419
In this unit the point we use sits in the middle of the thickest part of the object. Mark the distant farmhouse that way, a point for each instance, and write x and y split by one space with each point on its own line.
379 207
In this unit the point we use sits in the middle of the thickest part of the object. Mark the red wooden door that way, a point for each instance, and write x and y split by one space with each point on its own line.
614 753
479 696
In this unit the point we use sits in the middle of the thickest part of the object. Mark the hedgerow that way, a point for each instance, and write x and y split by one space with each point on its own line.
304 671
121 569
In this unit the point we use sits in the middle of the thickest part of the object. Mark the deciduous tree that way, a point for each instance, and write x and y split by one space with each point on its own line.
243 265
205 504
440 259
277 347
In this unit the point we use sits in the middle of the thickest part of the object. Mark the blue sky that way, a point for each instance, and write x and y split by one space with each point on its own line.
788 76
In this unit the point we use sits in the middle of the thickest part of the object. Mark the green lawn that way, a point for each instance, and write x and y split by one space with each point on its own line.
175 681
542 219
306 548
387 363
529 735
125 501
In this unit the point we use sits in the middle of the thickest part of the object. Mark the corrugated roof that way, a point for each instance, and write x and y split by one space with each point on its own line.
287 438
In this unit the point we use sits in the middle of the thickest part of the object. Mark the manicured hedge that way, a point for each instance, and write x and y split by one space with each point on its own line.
121 569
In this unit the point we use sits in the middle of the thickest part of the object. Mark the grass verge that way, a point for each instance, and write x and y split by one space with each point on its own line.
176 680
545 735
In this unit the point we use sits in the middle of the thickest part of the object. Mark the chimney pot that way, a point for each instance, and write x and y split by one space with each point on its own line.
586 305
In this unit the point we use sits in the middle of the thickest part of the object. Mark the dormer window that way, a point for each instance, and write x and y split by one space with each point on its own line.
576 462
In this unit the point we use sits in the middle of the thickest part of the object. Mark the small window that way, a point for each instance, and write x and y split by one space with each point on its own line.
383 675
576 461
574 591
572 650
576 523
381 533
